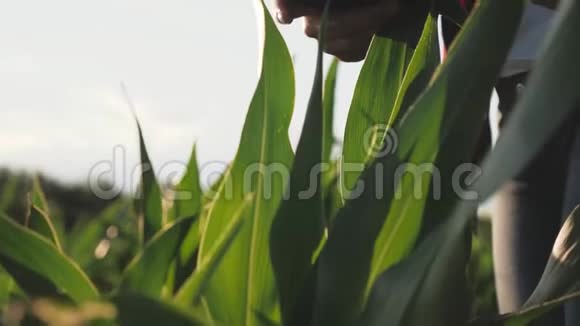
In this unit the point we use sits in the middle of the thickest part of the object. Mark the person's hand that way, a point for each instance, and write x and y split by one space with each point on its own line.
288 10
348 32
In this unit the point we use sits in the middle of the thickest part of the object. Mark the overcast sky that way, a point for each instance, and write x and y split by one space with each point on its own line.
189 65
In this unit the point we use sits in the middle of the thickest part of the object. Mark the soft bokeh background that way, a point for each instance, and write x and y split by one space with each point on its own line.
189 66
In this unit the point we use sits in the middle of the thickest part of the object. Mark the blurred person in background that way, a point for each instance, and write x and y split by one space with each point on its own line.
527 209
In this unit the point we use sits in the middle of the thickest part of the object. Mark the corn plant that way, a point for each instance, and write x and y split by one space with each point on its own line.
288 239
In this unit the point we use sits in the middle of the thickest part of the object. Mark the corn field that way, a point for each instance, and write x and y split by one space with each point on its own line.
301 239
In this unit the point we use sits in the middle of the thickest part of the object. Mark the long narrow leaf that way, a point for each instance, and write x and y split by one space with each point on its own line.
6 287
148 203
373 100
328 105
194 286
345 260
425 60
188 192
25 250
468 87
147 273
403 218
299 223
39 222
244 283
85 236
37 197
526 316
188 202
392 296
330 177
9 192
38 218
135 309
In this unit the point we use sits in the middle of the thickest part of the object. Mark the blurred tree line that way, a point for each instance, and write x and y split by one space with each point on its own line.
101 235
69 202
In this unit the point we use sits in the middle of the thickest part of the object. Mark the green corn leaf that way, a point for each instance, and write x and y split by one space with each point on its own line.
265 320
373 100
331 188
148 203
186 260
424 61
346 258
39 222
560 277
344 263
86 235
147 273
83 240
188 192
446 276
188 202
435 110
526 316
299 223
211 193
9 192
328 102
33 284
330 180
244 281
38 219
30 257
210 196
194 286
443 296
37 197
135 309
403 219
466 103
6 288
429 284
393 294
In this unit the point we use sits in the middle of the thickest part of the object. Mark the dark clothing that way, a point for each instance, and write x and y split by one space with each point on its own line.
528 210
